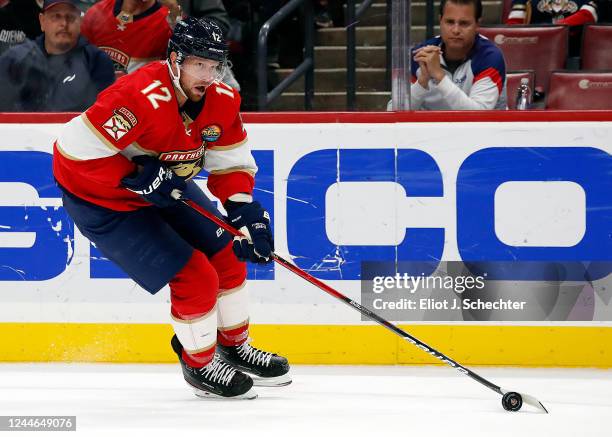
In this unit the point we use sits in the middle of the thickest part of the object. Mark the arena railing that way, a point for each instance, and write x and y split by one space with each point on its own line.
353 15
306 67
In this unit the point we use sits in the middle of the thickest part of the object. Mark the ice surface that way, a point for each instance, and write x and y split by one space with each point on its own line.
153 400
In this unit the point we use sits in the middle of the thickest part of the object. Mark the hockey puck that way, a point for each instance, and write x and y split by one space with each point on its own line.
512 401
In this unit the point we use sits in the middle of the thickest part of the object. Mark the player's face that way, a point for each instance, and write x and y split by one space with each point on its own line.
197 74
458 27
61 24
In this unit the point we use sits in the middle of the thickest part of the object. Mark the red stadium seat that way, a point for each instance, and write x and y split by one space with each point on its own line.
596 47
580 90
540 48
506 6
513 81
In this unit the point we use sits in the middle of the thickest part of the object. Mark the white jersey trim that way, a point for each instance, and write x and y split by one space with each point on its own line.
80 141
238 158
592 10
517 15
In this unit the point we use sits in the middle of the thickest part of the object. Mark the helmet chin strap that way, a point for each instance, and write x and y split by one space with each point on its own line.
176 79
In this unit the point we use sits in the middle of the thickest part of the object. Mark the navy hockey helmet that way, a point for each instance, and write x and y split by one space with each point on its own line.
200 37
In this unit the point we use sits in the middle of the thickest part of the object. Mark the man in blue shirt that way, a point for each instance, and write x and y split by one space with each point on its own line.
458 69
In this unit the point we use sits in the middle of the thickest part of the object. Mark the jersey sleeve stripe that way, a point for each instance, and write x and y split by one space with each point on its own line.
514 14
592 10
81 141
98 134
234 170
492 74
223 159
213 146
227 185
65 154
137 147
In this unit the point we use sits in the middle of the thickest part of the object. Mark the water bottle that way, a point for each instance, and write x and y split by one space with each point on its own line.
523 96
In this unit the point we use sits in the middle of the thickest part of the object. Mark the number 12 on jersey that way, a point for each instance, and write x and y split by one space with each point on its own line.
153 97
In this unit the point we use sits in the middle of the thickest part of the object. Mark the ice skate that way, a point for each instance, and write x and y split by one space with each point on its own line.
267 369
217 380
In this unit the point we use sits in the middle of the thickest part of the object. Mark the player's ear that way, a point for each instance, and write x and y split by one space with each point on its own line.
172 61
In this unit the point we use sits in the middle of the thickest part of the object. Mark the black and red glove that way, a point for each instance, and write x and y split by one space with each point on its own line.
155 182
254 222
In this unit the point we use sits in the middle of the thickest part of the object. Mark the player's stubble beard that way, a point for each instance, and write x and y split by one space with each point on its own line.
189 88
191 94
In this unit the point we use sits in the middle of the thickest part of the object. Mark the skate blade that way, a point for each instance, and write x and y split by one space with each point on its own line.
276 381
251 394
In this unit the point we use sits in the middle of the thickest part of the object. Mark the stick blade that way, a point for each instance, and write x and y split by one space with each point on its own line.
528 399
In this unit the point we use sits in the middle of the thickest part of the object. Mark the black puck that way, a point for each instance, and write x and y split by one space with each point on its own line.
512 401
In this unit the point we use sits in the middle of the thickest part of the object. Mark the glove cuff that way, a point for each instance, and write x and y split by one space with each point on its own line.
241 197
233 204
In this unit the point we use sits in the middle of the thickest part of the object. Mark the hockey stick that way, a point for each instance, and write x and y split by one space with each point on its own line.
511 401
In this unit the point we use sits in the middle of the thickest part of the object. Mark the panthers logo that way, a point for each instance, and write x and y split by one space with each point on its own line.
187 163
557 7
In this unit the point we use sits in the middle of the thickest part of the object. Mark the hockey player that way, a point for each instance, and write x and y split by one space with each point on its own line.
121 165
573 13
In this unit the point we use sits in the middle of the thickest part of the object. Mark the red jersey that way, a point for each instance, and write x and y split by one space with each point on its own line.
139 114
131 41
219 126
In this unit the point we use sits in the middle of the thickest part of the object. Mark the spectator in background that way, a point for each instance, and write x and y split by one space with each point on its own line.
321 12
18 21
131 32
213 9
84 5
136 32
59 71
574 13
570 12
458 69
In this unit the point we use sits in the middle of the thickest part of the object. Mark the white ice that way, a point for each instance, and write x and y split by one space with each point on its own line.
153 400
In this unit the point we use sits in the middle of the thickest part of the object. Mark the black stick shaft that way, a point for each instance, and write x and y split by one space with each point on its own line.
363 310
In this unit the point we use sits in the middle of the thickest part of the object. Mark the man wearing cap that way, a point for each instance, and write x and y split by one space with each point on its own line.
59 70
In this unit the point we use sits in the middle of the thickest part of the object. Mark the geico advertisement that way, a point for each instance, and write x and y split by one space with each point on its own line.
340 195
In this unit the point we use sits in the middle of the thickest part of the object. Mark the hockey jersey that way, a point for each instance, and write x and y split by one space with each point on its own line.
218 125
478 83
139 114
551 11
131 41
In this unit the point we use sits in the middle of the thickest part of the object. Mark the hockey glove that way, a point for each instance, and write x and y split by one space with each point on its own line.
156 183
254 222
